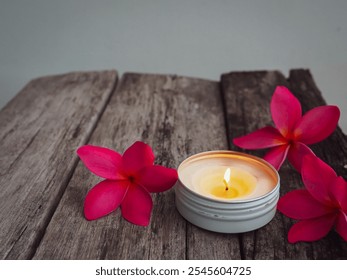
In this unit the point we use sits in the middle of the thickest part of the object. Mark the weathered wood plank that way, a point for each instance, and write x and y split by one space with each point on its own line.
248 96
178 117
39 130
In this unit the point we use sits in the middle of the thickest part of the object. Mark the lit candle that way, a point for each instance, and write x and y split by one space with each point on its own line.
226 176
236 184
227 191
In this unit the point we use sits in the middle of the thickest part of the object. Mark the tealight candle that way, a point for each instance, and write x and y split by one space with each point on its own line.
235 183
227 191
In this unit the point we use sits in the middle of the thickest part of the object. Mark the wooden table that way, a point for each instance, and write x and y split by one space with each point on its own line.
43 184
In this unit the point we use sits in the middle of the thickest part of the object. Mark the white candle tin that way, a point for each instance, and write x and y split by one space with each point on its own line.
223 215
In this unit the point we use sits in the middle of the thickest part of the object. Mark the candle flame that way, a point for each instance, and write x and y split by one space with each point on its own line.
227 178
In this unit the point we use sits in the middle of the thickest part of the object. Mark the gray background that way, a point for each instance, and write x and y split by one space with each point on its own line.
192 38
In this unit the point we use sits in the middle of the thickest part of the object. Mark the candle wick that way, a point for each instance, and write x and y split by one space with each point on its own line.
226 185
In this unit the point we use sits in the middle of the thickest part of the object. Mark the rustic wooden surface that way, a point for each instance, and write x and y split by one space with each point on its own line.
42 192
39 130
177 116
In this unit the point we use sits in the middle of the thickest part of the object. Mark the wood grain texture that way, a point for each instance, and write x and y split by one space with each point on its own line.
247 98
39 130
178 117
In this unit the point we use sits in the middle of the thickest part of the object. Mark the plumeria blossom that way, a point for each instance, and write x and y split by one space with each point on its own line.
320 206
293 132
129 180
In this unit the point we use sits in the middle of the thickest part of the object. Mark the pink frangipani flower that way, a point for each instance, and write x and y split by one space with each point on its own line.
320 206
129 180
293 132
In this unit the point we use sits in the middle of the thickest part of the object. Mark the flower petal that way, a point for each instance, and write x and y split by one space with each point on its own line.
341 225
299 205
157 178
137 156
296 154
277 155
339 192
101 161
312 229
317 124
317 177
265 137
137 206
104 198
285 110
